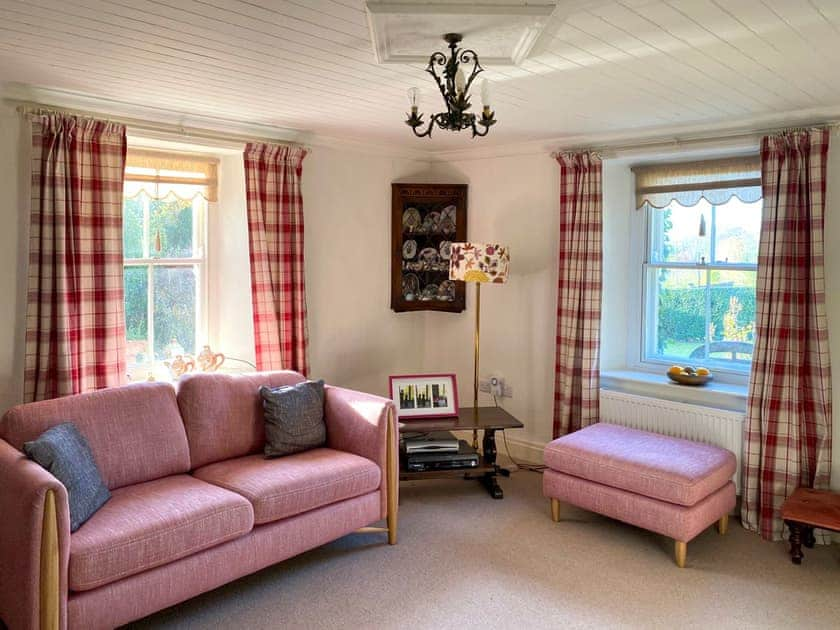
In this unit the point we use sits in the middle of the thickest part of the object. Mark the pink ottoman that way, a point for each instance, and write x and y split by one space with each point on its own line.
671 486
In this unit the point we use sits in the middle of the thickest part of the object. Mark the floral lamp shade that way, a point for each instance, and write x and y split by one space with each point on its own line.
479 262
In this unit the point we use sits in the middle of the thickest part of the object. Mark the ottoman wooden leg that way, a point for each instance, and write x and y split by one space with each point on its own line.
680 549
723 524
555 510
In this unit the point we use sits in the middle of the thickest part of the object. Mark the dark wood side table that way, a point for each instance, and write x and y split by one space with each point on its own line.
488 420
806 509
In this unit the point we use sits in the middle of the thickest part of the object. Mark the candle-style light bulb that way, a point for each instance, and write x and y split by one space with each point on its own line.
413 98
486 91
460 81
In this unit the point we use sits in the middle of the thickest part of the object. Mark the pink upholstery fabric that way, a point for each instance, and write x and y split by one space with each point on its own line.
653 465
675 521
153 523
358 423
134 431
285 486
23 489
223 414
140 595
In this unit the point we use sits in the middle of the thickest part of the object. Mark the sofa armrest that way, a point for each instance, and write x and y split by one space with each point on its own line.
34 544
365 425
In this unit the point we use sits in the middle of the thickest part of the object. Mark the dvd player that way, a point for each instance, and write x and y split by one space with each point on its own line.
466 457
436 442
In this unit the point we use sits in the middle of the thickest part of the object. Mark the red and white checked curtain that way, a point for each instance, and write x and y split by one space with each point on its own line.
275 236
576 376
75 316
788 431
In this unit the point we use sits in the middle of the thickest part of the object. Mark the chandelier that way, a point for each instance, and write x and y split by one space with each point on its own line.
454 87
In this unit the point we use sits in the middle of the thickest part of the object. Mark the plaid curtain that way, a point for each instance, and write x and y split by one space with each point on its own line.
275 236
576 377
788 431
75 316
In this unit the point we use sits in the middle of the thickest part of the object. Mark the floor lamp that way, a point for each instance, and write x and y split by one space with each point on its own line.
478 263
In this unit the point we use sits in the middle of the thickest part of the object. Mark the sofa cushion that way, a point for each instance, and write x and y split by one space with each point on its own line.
294 418
135 431
294 484
65 452
658 466
150 524
223 414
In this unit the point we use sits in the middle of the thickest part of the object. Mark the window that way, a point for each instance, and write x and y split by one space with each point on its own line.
164 217
699 274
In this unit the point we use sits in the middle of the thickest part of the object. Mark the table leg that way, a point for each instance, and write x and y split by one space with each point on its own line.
795 542
489 480
808 538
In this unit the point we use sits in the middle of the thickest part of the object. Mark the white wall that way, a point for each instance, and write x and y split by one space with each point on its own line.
511 201
13 252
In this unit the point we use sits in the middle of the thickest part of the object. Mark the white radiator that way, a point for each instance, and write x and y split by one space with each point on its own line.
692 422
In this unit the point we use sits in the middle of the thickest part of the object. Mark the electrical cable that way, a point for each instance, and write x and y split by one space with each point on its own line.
537 468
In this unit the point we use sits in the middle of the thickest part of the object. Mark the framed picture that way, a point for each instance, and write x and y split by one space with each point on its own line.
419 396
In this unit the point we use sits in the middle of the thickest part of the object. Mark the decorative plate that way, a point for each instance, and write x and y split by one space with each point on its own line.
410 284
446 290
448 213
445 249
409 249
411 219
447 226
429 255
431 223
430 292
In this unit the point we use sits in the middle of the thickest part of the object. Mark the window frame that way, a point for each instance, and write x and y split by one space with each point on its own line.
200 262
641 234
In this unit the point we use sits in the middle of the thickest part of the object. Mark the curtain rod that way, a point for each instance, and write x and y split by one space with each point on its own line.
140 125
676 141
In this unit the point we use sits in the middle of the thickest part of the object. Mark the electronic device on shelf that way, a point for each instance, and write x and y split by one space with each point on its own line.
465 457
435 442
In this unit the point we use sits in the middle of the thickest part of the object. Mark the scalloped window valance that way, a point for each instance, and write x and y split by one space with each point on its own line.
716 181
161 175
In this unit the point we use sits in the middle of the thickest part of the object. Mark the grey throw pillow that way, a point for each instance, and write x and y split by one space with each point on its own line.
65 452
294 418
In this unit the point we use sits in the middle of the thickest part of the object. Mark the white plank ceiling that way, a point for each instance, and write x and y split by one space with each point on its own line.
618 66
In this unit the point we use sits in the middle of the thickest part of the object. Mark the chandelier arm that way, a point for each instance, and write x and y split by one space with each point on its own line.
476 132
428 132
470 56
440 59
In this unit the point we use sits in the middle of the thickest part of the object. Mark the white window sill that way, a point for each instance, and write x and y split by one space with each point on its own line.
714 394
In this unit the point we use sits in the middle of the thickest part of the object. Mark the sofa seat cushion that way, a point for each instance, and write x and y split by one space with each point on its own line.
285 486
153 523
657 466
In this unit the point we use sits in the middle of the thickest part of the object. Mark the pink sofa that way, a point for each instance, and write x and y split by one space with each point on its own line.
194 503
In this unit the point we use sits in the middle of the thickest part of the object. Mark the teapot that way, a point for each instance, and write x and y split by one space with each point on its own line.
208 361
180 365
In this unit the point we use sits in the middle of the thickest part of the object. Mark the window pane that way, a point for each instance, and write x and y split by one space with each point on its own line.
172 220
136 314
675 234
737 228
174 309
676 313
133 227
732 329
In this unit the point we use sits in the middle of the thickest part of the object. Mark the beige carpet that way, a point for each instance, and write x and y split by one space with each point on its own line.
467 561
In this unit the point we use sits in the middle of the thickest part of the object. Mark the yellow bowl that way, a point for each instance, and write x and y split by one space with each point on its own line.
690 379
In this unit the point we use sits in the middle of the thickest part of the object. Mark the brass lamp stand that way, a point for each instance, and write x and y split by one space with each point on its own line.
478 262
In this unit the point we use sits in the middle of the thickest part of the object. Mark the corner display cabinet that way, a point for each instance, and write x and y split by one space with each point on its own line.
425 220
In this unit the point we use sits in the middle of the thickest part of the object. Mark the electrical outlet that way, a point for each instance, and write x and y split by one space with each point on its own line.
497 386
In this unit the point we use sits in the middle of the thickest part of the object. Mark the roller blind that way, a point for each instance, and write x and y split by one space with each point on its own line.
161 175
687 183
